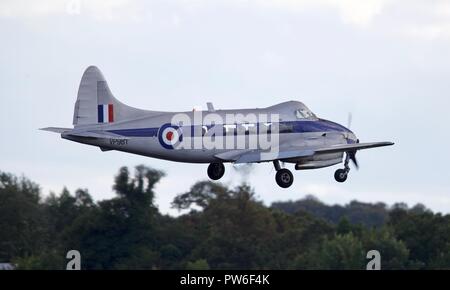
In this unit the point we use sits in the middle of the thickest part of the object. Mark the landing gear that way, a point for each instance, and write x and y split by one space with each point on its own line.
283 177
341 174
216 170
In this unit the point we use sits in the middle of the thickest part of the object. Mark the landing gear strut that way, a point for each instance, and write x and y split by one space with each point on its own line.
283 177
216 170
341 174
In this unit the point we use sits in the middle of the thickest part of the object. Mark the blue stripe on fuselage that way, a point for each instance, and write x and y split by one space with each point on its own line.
332 126
297 127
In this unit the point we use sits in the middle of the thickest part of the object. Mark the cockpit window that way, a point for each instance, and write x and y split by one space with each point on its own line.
304 113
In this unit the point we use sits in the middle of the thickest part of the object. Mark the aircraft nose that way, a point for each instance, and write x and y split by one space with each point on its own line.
351 138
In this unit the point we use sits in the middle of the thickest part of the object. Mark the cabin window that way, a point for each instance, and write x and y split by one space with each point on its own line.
229 129
265 128
247 127
204 130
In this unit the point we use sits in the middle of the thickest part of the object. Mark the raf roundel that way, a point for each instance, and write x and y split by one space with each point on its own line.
169 136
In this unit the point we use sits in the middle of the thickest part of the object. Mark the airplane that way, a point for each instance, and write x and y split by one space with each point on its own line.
301 137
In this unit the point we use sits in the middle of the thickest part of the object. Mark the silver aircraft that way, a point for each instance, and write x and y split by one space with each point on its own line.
284 133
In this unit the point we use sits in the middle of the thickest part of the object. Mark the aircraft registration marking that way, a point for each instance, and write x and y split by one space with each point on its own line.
119 142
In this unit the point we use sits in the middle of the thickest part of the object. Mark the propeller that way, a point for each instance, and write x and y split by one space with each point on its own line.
352 156
349 123
349 120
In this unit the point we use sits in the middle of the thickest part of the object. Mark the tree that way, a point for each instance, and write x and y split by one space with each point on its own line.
394 253
119 233
370 215
225 228
201 194
341 252
23 229
235 231
425 234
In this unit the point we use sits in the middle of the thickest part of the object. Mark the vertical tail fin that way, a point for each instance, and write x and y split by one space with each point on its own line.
95 103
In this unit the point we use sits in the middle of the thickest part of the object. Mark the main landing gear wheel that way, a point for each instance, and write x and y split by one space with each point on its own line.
340 175
216 170
284 178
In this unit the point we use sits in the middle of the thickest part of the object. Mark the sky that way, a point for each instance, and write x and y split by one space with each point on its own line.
385 61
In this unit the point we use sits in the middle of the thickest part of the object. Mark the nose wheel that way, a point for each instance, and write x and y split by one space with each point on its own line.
283 177
216 170
341 175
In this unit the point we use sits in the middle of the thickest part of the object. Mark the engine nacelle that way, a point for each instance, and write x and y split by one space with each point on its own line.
313 164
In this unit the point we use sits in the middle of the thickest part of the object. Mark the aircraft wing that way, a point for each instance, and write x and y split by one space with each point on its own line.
352 147
97 134
237 156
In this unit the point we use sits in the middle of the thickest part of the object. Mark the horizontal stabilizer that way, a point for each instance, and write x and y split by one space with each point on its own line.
96 134
56 129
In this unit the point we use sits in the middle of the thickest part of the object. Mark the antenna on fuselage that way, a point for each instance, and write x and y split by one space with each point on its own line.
210 107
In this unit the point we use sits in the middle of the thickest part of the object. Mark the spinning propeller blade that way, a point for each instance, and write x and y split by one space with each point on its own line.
353 159
349 120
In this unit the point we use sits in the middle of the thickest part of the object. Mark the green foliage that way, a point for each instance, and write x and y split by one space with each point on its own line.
394 253
46 260
22 221
120 232
200 264
221 228
426 235
370 215
233 229
340 252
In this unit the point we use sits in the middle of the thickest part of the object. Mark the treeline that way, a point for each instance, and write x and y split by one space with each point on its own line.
225 228
367 214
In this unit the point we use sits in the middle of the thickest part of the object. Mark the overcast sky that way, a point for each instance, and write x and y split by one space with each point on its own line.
386 61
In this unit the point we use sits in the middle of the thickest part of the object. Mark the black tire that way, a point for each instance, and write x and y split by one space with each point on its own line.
284 178
216 170
340 175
